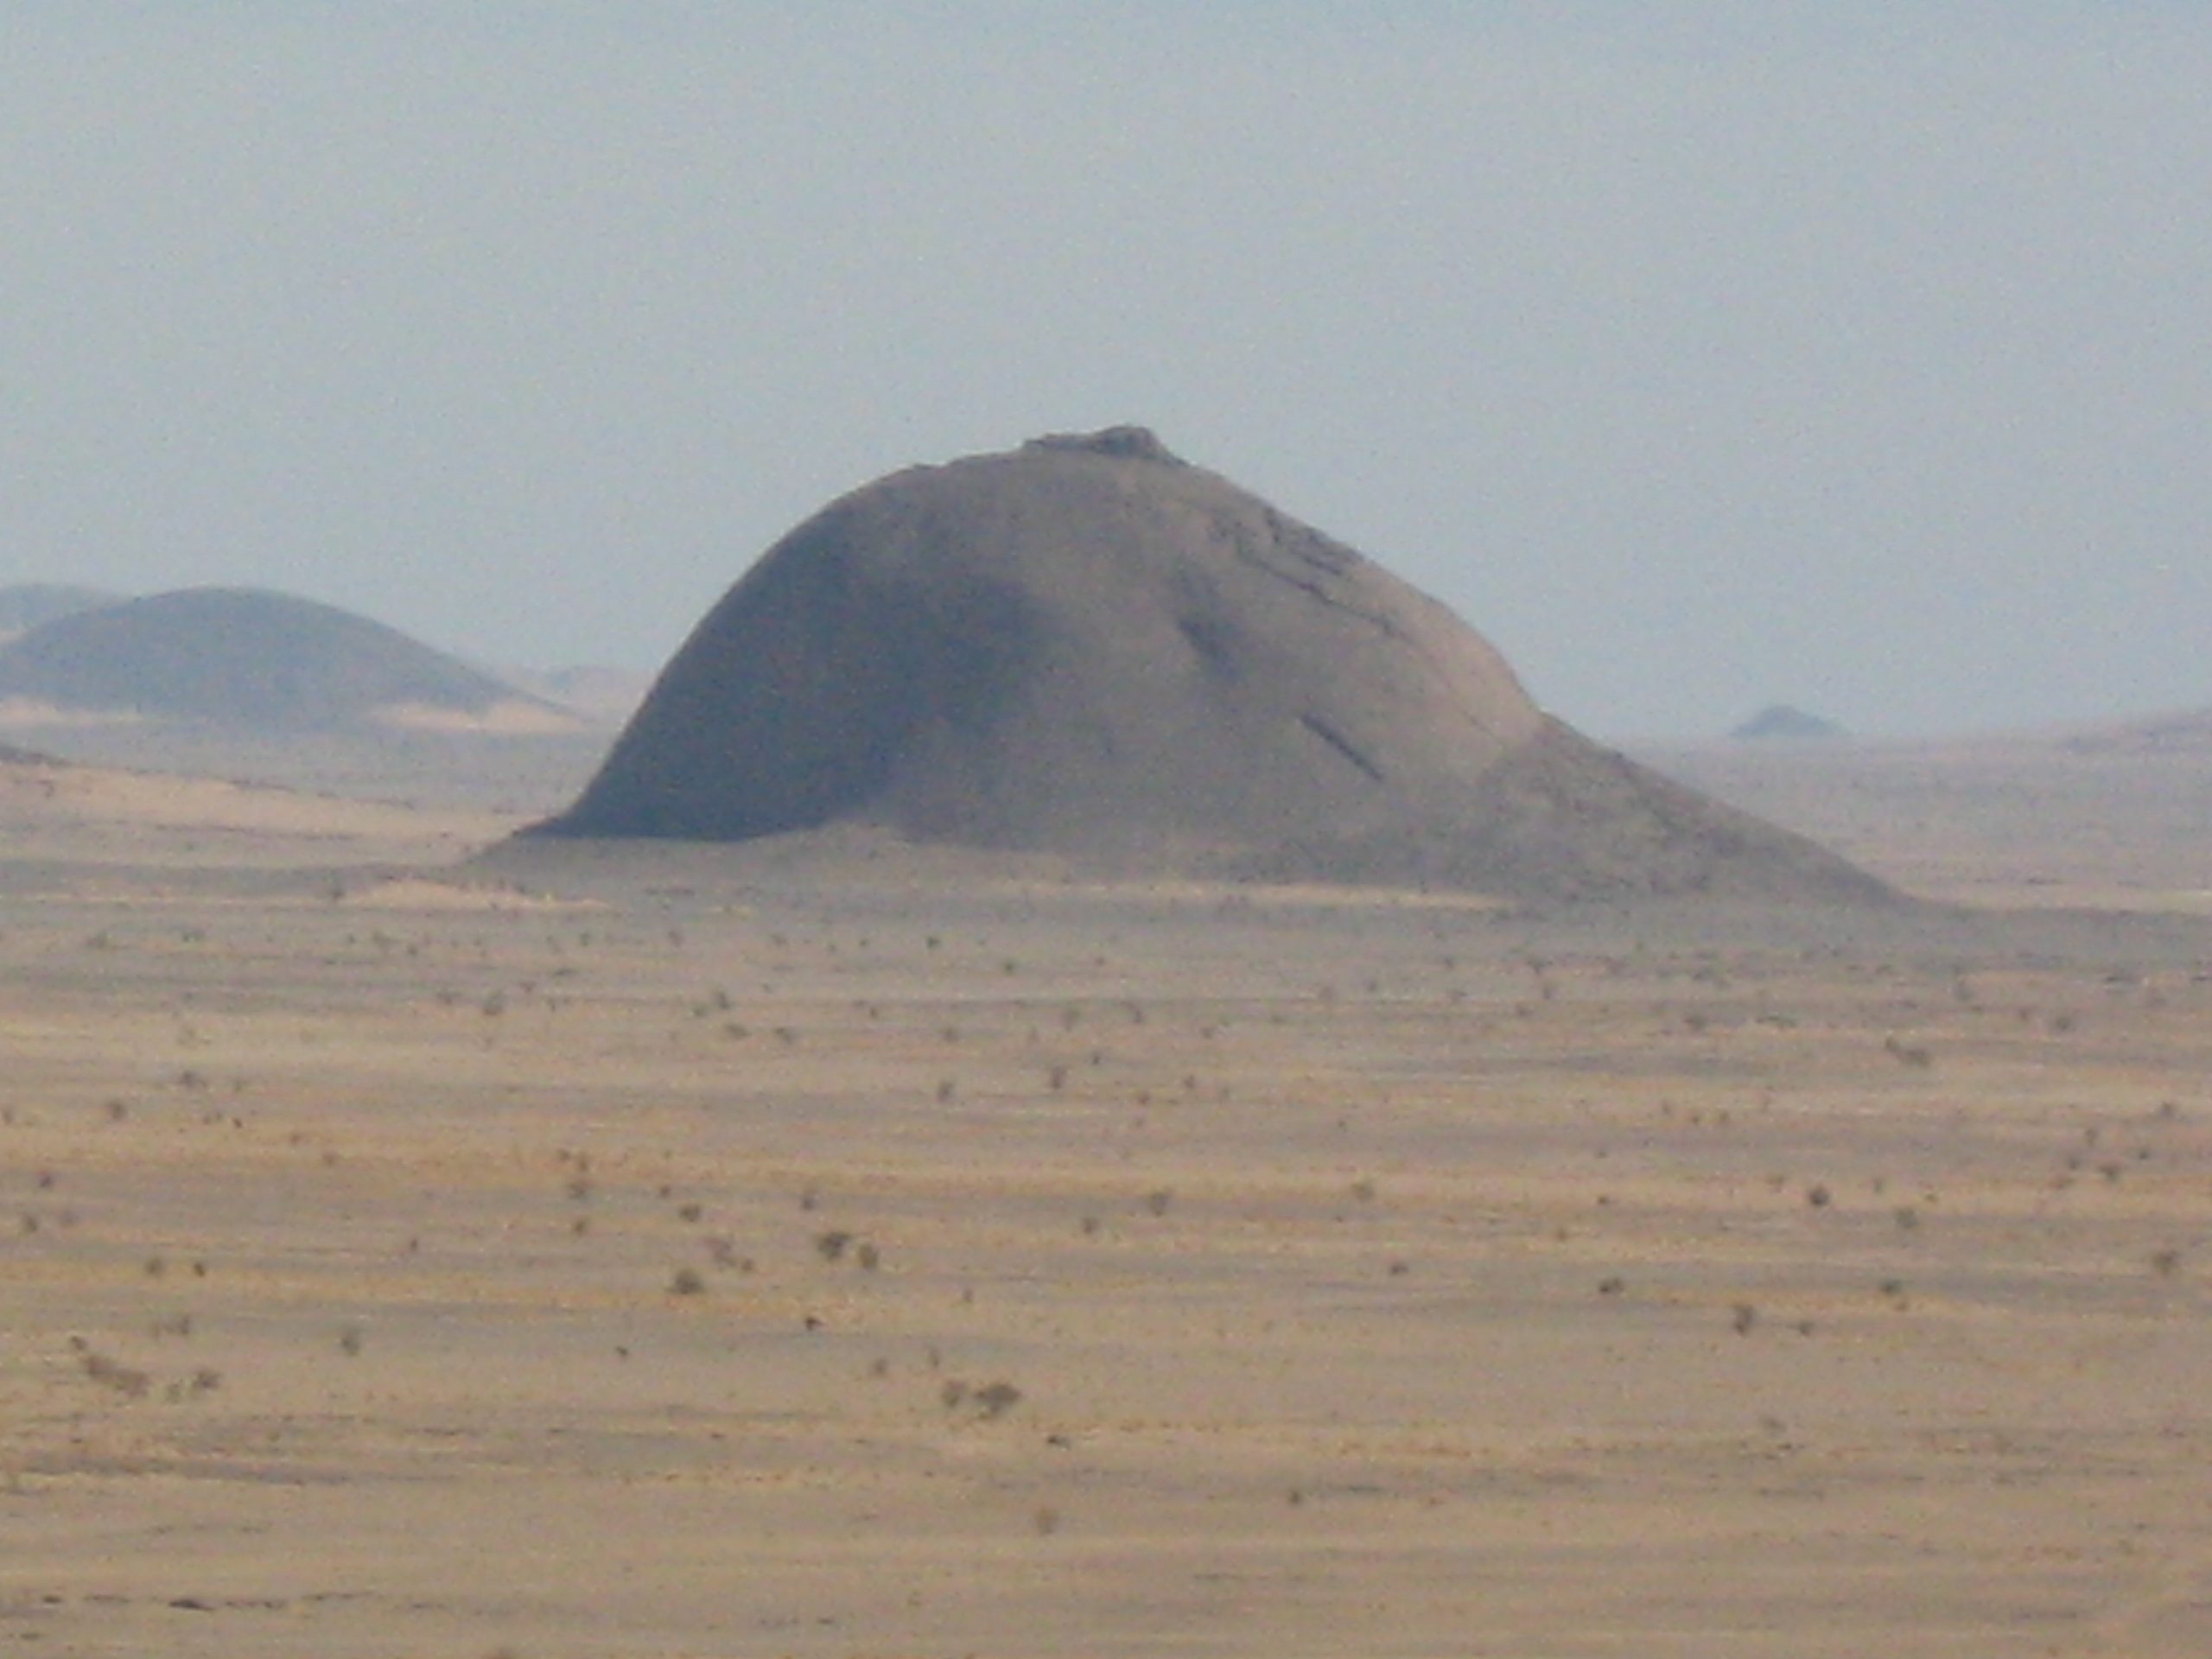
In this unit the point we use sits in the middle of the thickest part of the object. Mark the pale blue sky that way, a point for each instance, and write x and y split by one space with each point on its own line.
1703 356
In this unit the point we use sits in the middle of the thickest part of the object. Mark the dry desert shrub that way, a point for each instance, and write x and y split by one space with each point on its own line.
992 1400
996 1399
1916 1056
126 1380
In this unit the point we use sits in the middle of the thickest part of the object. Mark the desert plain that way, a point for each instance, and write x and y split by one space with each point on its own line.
733 1252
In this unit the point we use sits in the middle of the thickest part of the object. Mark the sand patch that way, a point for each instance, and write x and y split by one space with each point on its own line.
422 893
514 717
25 713
54 811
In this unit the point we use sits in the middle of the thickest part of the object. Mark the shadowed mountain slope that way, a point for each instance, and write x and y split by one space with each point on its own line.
1086 646
240 656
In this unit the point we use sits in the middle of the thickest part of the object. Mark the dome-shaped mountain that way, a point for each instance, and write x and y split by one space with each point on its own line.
241 657
1087 647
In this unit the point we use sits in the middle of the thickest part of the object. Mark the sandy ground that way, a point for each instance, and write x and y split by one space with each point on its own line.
2019 822
711 1256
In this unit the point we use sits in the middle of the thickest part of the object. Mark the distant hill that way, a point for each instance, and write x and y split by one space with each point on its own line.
1779 723
26 604
2189 731
251 658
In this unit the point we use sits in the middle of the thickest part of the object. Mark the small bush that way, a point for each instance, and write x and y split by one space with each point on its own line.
996 1399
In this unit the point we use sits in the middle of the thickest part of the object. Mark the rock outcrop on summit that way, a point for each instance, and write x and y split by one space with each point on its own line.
1087 647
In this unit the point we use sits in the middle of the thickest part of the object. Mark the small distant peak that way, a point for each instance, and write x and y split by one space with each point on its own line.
1780 721
1123 442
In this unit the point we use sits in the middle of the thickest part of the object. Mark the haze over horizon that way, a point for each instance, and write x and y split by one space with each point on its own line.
1702 357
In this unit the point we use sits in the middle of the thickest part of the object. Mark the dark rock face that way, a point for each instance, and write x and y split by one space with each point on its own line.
1087 647
238 657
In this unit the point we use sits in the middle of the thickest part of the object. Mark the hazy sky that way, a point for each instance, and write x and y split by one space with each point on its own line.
1855 355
